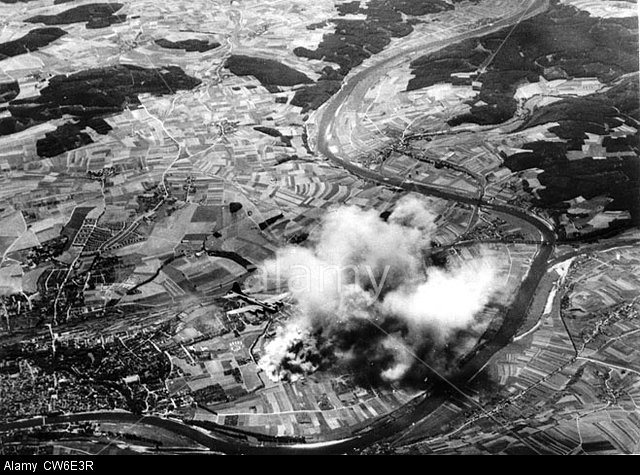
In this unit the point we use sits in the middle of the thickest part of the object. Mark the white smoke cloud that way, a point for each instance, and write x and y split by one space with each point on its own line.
291 354
412 211
364 295
448 300
402 358
352 237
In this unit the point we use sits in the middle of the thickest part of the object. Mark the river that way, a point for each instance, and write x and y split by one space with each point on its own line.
439 390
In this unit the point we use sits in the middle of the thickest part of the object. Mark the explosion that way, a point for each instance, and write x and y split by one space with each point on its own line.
366 301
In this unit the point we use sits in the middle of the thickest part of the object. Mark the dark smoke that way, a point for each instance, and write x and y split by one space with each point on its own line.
367 303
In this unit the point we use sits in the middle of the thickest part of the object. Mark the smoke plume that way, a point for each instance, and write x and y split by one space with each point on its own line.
366 301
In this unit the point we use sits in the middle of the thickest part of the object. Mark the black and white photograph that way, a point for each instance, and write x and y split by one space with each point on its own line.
330 227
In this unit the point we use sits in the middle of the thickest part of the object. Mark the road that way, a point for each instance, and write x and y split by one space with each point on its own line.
358 84
442 389
439 390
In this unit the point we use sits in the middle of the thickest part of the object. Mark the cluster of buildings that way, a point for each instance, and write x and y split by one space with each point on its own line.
572 377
